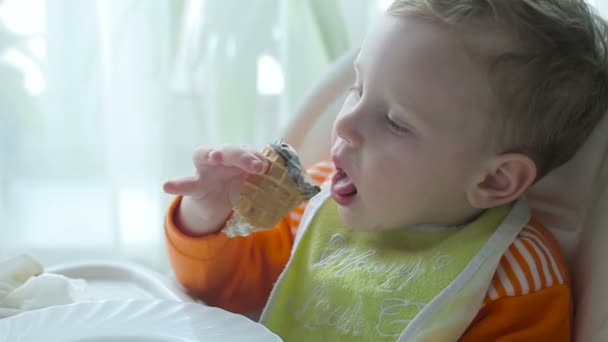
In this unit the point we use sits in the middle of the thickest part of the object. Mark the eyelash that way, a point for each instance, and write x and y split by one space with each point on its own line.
395 127
392 125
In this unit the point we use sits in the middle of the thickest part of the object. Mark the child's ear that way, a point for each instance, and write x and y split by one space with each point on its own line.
502 180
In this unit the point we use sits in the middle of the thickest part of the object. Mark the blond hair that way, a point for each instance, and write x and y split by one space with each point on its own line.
551 88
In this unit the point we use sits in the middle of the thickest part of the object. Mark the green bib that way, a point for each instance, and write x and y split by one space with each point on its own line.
368 286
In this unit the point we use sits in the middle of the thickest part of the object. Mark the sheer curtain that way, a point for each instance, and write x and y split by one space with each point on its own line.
100 101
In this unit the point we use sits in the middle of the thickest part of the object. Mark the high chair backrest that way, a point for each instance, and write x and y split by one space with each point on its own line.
572 200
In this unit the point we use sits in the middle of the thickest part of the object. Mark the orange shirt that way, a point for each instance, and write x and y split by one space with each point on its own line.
529 298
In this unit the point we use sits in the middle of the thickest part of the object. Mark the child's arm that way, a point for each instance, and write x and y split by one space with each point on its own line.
211 193
233 273
540 316
530 296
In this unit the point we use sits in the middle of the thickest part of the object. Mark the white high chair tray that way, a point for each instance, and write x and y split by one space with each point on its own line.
132 321
121 280
130 303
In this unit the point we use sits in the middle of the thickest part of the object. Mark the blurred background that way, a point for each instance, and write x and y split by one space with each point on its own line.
103 100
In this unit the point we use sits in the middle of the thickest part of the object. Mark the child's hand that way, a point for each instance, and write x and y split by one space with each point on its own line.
210 195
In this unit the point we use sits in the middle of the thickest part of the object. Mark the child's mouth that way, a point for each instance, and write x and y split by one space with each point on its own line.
342 188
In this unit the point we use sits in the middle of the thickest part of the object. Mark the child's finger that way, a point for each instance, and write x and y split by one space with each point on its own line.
186 186
200 157
244 159
265 162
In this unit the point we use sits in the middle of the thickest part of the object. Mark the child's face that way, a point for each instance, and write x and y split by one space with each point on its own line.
409 137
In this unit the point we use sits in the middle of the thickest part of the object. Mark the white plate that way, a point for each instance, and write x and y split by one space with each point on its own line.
132 321
121 280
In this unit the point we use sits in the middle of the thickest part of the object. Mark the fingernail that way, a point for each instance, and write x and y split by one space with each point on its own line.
214 156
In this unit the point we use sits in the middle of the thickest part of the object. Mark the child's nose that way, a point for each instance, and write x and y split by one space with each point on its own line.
346 127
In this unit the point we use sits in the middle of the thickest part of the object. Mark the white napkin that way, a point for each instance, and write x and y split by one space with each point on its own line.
24 286
16 271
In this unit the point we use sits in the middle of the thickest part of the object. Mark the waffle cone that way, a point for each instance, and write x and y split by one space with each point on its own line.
265 199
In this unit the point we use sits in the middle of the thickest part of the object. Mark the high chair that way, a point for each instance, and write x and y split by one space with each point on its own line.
572 200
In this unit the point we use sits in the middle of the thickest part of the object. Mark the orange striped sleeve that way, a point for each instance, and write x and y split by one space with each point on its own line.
545 315
529 298
236 274
295 216
321 172
533 262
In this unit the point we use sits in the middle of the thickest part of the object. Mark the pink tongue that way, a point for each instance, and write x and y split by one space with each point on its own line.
344 187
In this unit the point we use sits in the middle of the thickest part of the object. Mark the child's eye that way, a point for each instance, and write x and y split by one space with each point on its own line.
396 127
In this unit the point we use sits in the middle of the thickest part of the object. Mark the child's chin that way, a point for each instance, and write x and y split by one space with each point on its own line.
354 220
358 222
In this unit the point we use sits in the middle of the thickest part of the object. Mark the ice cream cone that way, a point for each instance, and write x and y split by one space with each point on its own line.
266 198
